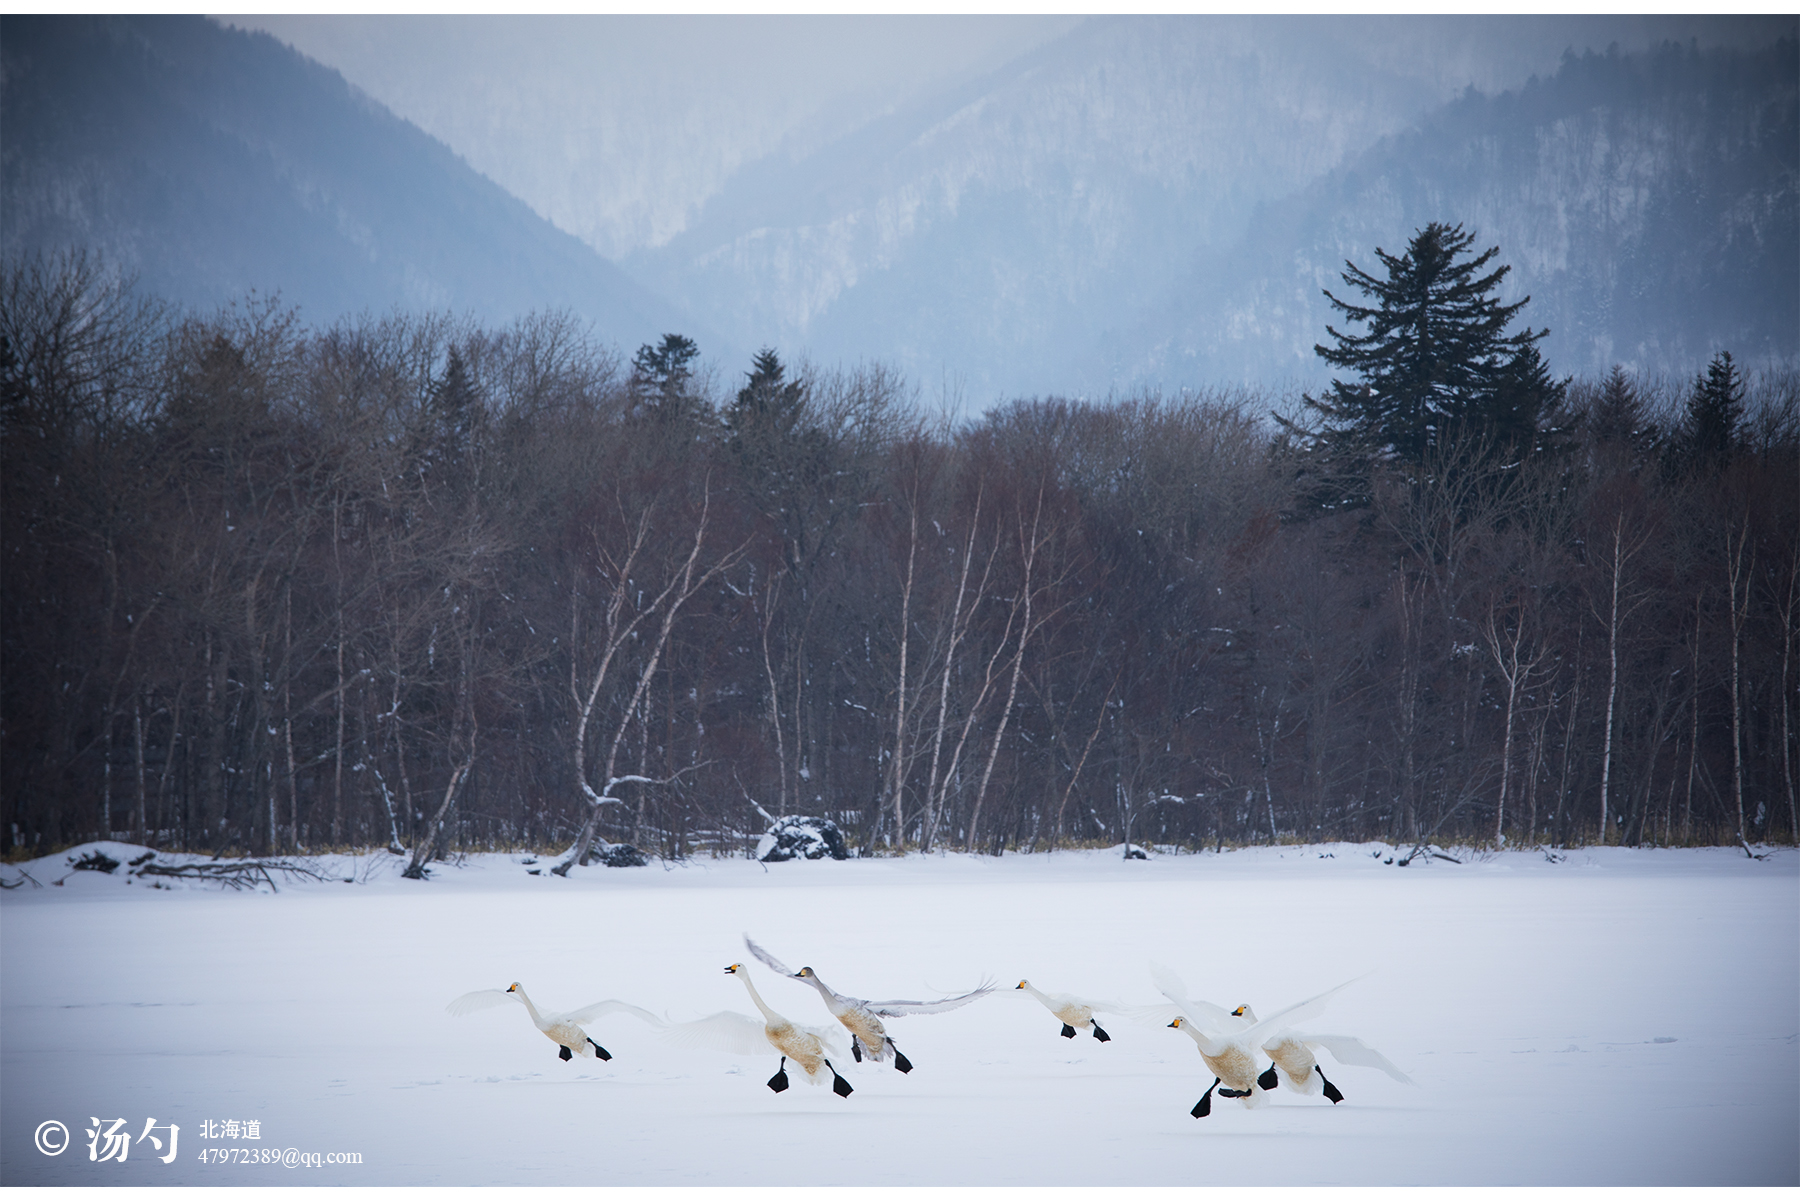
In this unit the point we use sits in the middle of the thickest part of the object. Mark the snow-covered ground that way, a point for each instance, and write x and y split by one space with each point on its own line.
1619 1017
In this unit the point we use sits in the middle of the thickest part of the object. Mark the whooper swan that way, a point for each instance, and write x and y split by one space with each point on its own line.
737 1034
1074 1012
1291 1054
1229 1045
562 1028
863 1017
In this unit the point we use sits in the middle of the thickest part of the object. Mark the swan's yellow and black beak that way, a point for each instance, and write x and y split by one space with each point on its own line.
803 973
733 968
1019 985
513 988
1239 1010
1175 1024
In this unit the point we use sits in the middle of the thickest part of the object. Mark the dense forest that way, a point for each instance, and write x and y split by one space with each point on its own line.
416 582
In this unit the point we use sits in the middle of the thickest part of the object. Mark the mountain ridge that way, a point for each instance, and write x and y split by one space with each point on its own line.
1022 266
211 162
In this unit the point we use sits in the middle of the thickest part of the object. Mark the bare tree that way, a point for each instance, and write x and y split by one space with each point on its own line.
1621 601
683 582
1507 640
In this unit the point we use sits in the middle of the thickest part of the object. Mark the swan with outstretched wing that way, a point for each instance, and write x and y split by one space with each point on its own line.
565 1029
863 1017
734 1033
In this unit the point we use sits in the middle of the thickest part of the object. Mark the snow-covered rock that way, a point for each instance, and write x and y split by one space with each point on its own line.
619 854
801 837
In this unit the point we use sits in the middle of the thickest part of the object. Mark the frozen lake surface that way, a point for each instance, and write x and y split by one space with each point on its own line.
1619 1017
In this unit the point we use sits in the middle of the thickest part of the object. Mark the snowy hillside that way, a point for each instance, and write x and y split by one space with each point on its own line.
209 162
1615 1017
1161 201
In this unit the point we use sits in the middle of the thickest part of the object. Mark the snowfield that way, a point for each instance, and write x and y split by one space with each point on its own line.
1619 1017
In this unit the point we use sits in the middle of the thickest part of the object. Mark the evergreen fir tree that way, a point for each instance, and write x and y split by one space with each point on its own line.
1436 360
454 411
1619 431
1617 416
766 401
783 458
661 376
1714 408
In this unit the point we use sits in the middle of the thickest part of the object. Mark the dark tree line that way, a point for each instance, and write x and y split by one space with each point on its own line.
417 583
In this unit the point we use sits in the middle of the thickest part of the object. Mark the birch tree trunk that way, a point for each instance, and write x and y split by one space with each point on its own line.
1787 654
959 627
1515 671
1738 573
896 763
1612 676
1030 545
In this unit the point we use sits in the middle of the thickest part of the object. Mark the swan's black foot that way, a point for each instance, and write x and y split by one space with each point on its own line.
778 1082
839 1084
855 1047
1331 1092
1204 1108
1100 1035
1268 1081
600 1051
1233 1093
564 1053
900 1063
1068 1031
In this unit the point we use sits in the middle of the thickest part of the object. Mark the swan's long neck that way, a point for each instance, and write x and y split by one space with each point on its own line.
1042 999
536 1018
831 997
1210 1046
768 1013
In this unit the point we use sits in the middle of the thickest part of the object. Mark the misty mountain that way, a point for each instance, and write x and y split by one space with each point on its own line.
1161 202
210 162
1647 203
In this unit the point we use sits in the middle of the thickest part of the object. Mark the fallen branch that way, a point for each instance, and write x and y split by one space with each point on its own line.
237 874
1423 851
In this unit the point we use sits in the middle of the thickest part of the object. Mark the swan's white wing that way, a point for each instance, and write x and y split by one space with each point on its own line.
1206 1018
1209 1032
582 1016
475 1001
1352 1052
1198 1011
1293 1014
732 1032
906 1008
1168 983
1152 1014
766 959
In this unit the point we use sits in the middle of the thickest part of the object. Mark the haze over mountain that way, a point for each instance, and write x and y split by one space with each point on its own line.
1046 209
210 162
1162 201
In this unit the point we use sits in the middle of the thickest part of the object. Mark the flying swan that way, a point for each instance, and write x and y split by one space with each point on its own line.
565 1029
1074 1012
1292 1054
735 1033
1228 1042
863 1017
